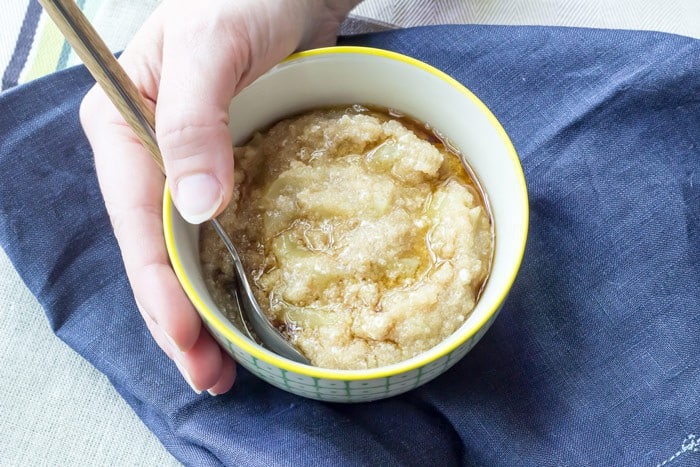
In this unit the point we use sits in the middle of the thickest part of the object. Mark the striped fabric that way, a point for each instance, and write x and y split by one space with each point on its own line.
676 16
31 45
39 48
15 62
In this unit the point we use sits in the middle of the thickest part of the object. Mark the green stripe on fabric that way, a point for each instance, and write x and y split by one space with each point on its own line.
47 49
50 43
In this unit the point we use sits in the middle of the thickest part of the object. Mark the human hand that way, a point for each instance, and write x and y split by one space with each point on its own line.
188 60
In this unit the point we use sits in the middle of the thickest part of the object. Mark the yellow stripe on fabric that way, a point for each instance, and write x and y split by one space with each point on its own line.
48 45
47 50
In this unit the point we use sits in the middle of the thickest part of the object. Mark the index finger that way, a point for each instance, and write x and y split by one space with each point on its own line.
132 187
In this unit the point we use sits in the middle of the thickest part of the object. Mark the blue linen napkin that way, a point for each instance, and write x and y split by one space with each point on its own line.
595 357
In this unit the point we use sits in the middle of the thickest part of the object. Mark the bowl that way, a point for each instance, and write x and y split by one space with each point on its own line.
360 75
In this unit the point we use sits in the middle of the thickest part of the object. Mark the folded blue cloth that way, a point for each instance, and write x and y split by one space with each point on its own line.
595 357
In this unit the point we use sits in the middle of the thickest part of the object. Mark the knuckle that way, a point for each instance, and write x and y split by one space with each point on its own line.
123 220
188 141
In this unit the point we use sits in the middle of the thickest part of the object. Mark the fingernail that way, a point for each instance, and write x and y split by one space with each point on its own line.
187 377
198 197
212 393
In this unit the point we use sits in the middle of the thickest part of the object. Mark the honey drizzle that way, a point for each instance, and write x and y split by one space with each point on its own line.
455 167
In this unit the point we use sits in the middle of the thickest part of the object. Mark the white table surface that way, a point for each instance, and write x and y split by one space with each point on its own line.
56 409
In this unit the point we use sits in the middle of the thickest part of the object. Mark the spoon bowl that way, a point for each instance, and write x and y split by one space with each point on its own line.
248 305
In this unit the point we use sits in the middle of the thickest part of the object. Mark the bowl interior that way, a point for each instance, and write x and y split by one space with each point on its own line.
351 75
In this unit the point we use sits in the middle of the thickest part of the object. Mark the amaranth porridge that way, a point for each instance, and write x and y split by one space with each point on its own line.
365 239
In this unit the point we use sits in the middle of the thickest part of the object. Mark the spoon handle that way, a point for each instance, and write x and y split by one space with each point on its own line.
133 107
104 67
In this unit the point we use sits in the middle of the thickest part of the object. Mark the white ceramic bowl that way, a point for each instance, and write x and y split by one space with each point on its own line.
356 75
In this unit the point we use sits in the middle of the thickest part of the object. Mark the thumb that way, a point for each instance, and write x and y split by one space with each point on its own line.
198 80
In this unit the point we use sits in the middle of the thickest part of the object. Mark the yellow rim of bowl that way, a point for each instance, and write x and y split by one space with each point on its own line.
381 372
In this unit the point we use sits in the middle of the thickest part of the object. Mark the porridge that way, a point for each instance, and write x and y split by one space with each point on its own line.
365 239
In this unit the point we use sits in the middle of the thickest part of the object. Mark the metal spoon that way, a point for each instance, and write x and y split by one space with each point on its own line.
124 95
